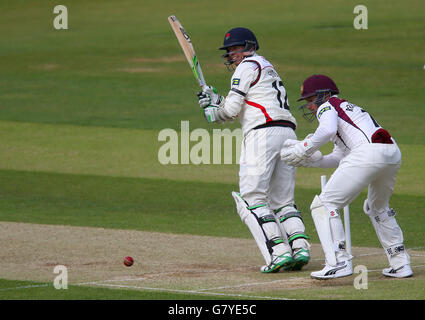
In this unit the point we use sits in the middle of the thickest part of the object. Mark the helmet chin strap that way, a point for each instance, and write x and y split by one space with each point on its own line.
249 48
307 114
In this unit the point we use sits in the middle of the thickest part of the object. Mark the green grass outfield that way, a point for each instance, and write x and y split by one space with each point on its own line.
81 110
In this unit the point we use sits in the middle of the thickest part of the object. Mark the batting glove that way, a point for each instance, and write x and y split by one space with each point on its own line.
211 114
209 97
203 99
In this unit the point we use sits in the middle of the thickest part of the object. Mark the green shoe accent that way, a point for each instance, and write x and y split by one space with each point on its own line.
301 258
285 261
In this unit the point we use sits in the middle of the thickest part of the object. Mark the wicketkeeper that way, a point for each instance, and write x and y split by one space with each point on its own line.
265 202
365 155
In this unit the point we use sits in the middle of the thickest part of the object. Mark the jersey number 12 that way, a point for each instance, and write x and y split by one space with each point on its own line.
283 104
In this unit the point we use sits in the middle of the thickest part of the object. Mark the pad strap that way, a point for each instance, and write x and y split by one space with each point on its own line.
270 243
297 235
294 231
293 214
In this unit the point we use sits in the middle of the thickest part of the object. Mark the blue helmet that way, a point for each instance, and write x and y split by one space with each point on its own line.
239 37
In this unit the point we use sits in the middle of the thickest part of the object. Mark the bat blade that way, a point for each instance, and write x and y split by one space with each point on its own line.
187 47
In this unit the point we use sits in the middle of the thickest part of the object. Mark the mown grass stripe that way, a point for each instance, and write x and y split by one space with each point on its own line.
122 152
165 206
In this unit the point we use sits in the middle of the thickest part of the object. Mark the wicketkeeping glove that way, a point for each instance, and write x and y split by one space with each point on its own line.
296 154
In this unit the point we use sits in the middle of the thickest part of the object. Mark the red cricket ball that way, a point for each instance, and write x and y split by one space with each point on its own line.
128 261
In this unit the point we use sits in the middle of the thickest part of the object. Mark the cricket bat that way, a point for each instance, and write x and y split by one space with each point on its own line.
188 49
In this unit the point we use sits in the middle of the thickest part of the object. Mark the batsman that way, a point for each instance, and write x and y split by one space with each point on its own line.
265 201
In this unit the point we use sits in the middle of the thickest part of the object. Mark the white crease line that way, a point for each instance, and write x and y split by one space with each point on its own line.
111 280
416 248
194 292
247 284
25 287
200 291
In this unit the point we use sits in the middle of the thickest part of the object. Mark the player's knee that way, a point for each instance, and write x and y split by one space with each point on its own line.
292 221
366 207
260 209
320 203
254 198
379 215
369 209
318 206
288 211
290 215
316 203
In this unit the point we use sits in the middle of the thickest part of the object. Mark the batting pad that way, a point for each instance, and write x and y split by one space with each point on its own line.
329 229
248 218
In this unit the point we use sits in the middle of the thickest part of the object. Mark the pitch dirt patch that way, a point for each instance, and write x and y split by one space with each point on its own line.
171 59
46 66
169 262
151 61
139 70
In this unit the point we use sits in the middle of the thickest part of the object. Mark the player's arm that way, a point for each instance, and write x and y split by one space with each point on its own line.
298 154
241 81
330 160
218 108
328 125
212 104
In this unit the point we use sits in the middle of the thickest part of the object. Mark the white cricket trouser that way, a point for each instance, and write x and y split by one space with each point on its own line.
263 177
373 165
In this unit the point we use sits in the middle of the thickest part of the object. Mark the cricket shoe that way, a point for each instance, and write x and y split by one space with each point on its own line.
284 261
301 257
402 272
342 269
